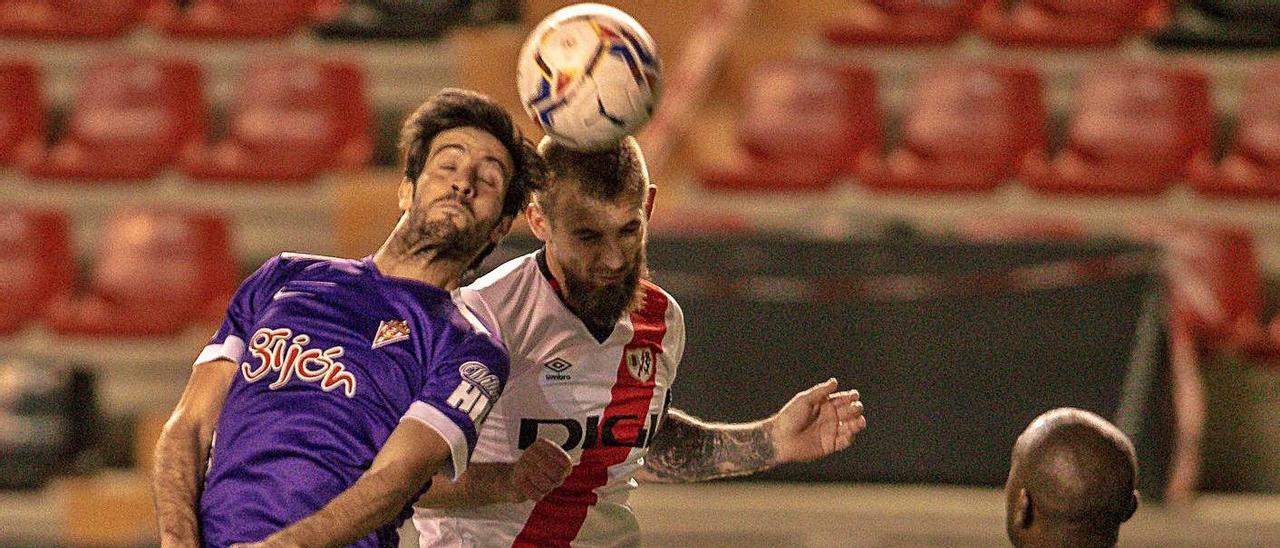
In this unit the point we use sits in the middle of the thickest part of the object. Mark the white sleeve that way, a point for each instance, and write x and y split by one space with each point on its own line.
475 308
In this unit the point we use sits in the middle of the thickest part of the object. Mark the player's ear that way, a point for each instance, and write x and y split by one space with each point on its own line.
1023 510
648 201
404 194
1133 506
537 221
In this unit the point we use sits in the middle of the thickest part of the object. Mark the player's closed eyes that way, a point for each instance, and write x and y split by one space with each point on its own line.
490 176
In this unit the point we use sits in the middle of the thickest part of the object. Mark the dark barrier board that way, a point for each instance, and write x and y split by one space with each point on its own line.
953 352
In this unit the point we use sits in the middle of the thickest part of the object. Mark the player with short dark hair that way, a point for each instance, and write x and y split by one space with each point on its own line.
1071 482
335 388
595 347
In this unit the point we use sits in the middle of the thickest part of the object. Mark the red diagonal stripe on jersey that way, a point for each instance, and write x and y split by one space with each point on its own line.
556 519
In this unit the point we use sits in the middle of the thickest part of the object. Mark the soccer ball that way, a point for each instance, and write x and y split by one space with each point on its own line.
589 75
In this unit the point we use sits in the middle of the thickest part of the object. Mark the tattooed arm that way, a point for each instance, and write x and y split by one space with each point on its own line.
686 449
815 423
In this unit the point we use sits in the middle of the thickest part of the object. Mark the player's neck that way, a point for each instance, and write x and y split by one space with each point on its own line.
428 269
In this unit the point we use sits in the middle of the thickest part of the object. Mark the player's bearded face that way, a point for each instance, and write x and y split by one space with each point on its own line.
458 198
601 249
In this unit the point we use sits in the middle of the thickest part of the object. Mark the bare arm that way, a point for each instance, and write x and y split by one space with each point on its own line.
412 453
183 451
815 423
539 470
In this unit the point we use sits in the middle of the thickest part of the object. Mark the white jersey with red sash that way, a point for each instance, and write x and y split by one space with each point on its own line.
601 400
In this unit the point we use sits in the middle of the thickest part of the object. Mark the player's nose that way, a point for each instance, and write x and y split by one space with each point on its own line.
464 182
612 259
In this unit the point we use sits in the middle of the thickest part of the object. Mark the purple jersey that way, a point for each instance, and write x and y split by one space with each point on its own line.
333 355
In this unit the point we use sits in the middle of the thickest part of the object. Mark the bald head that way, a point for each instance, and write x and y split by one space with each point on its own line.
1071 482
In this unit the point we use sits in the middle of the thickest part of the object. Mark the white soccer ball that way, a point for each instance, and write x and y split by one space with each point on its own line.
589 75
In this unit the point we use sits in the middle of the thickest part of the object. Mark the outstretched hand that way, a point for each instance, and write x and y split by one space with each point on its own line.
540 469
816 422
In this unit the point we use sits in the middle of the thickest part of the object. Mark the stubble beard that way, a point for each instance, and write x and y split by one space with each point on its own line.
441 239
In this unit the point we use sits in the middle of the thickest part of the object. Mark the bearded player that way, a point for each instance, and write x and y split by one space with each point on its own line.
594 351
337 387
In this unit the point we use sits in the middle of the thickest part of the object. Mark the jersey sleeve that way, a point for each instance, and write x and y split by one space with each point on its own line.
459 394
472 302
675 331
252 296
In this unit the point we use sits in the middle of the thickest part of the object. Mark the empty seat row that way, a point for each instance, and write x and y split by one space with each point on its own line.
192 19
293 119
155 273
241 19
1058 23
1032 23
1133 129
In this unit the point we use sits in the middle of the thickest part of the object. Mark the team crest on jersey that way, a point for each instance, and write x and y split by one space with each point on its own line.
287 354
640 363
391 331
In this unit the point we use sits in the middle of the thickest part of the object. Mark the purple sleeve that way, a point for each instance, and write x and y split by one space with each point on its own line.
459 394
229 342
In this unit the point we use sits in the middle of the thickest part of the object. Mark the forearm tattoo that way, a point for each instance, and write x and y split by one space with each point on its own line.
685 449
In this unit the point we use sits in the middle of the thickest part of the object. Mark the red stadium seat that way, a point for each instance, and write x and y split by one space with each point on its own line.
1067 23
1251 168
68 19
968 127
802 125
1134 129
35 263
900 22
1216 286
231 19
293 119
22 116
130 118
155 273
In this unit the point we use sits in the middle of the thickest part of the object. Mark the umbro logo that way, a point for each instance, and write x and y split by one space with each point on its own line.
557 368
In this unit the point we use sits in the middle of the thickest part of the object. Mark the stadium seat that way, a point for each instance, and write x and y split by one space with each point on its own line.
230 19
155 273
35 263
1251 167
1067 23
294 118
1134 129
397 19
129 119
68 19
968 127
802 124
1225 24
1216 286
900 22
22 115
